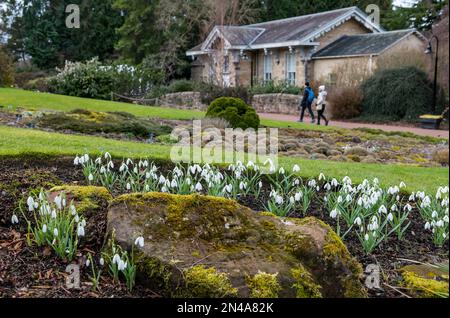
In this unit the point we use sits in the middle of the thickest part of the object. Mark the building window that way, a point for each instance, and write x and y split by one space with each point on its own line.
267 68
332 79
226 64
290 68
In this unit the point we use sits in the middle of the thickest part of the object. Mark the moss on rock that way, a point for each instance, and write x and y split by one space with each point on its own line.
263 285
425 282
88 199
202 282
304 284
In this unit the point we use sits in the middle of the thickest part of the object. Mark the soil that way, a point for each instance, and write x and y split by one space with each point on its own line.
29 271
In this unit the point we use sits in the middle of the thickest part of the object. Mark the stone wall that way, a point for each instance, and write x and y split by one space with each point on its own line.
276 103
267 103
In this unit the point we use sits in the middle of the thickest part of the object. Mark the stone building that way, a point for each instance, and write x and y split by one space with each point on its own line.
295 50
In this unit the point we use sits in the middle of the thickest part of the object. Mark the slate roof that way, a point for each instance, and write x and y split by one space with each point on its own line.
361 45
301 30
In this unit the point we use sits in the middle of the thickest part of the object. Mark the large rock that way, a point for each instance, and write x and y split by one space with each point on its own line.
197 246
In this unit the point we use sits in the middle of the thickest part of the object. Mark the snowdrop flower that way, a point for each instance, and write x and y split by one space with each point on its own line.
102 261
334 183
242 186
279 199
426 202
390 217
53 214
408 208
312 183
164 189
72 209
123 167
228 188
327 187
321 177
88 262
80 230
174 183
434 215
334 213
14 219
116 259
440 223
348 198
198 187
412 197
30 203
76 161
340 199
360 201
107 155
445 219
98 161
162 180
382 210
139 242
296 182
296 169
55 232
394 208
58 202
129 162
298 196
358 221
86 158
91 177
366 237
260 184
292 200
250 164
128 186
121 265
44 228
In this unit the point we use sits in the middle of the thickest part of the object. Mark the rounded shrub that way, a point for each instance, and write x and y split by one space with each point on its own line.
6 69
235 111
397 94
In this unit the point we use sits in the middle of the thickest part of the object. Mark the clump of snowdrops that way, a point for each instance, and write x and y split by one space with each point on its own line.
54 223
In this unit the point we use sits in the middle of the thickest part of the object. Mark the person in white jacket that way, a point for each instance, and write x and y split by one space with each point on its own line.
321 104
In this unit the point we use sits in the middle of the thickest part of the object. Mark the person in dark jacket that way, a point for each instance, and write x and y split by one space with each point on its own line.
307 100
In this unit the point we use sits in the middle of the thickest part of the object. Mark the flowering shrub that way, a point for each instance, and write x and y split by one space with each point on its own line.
94 80
372 213
56 224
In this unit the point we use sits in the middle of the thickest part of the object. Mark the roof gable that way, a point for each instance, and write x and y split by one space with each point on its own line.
363 44
302 30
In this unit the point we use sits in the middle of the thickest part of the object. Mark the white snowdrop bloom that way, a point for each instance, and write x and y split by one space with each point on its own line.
242 186
135 170
360 201
55 232
88 262
347 180
80 230
14 219
123 167
228 189
129 162
91 177
128 186
53 214
292 200
30 203
174 183
188 181
139 242
296 169
279 199
268 161
412 197
420 195
116 259
376 181
426 202
434 215
334 213
107 155
98 161
76 161
340 199
198 187
445 219
250 164
296 182
237 174
358 221
327 187
444 236
390 217
348 198
86 158
122 265
366 237
407 207
321 177
58 202
44 228
394 208
402 185
192 169
162 180
102 261
260 184
440 223
312 183
334 183
164 189
382 210
298 196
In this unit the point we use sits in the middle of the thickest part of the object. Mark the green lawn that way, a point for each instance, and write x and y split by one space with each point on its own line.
42 101
17 141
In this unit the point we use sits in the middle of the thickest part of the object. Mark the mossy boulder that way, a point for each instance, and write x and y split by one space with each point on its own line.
199 246
425 281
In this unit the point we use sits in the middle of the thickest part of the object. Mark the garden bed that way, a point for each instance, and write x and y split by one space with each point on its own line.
24 274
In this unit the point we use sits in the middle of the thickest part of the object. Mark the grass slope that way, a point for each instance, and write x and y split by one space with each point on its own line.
43 101
17 142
